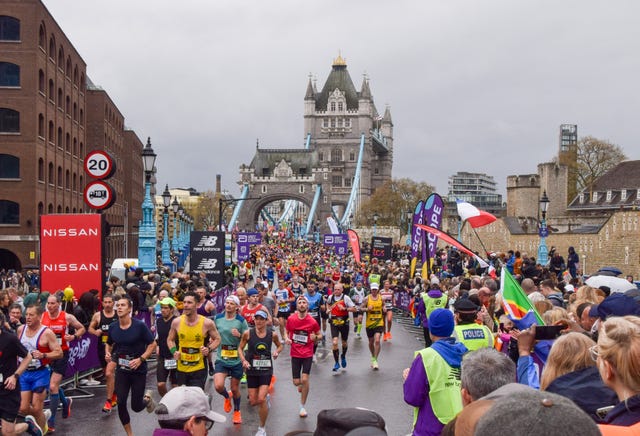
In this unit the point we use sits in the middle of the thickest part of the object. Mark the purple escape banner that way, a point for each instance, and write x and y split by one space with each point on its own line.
339 242
433 209
245 241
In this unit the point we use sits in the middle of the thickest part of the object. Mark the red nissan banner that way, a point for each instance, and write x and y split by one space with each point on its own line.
71 252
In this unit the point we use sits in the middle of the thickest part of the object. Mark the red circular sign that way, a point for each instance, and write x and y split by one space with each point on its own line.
99 195
99 164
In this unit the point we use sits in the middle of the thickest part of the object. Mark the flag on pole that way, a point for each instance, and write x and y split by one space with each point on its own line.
474 216
516 303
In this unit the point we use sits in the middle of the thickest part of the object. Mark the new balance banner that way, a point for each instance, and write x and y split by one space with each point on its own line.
71 252
338 241
354 240
245 241
381 247
207 256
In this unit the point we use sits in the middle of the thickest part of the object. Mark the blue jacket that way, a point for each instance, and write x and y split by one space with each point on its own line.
625 413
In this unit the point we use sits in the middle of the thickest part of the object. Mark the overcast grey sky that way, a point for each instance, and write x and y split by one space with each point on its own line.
473 85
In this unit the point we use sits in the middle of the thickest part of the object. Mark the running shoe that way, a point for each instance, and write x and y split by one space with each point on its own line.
303 412
48 429
389 336
47 415
374 364
261 432
315 359
358 336
66 411
151 405
114 400
32 426
272 383
107 407
384 337
227 402
343 362
243 380
237 417
336 367
92 382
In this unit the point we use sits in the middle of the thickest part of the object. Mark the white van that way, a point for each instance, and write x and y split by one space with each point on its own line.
120 266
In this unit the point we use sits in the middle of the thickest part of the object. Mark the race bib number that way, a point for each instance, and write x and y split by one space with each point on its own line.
337 321
261 363
124 362
59 339
170 364
190 356
104 339
229 351
300 337
314 313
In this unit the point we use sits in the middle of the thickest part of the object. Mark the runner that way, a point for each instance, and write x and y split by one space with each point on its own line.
192 329
166 367
207 309
389 299
374 308
249 310
59 322
129 345
284 298
231 327
303 331
316 307
338 307
99 327
43 346
10 374
258 364
358 294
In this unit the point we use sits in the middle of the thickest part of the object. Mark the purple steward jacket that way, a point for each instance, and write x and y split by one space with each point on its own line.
416 386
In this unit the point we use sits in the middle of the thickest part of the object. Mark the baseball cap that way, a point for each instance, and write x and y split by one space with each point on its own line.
252 291
234 299
261 313
375 286
464 305
183 402
168 302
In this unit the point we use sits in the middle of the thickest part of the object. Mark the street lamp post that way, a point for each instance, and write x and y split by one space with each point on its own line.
409 219
166 201
147 226
543 232
375 222
174 242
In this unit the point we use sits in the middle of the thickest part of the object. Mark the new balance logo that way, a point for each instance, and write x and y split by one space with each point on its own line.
207 264
208 241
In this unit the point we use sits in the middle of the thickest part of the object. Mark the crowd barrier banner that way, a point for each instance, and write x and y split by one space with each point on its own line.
83 355
403 299
219 298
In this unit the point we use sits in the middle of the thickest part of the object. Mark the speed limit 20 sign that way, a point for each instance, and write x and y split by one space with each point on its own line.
98 194
99 165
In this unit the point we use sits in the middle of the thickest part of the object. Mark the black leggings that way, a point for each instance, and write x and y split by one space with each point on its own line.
135 382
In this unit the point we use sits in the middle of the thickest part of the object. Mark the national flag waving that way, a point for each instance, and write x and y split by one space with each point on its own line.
515 301
474 216
452 241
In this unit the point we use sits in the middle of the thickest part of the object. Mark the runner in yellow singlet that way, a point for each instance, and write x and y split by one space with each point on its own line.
373 306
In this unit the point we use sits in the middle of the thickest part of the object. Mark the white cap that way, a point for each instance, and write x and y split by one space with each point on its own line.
375 285
183 402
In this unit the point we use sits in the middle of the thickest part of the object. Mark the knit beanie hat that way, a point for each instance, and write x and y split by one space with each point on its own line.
441 323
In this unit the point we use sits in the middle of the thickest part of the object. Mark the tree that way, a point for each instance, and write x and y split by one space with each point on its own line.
391 201
595 158
205 212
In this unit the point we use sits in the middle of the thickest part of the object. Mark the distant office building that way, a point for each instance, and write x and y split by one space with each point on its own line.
478 189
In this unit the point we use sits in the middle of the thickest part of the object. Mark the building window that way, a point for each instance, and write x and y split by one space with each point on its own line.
263 189
75 75
59 143
51 88
42 37
9 167
325 122
336 155
594 199
581 198
50 179
74 186
60 177
41 125
623 195
59 209
51 132
40 209
301 189
50 208
347 183
67 143
376 171
75 146
326 176
81 150
333 106
9 212
9 121
61 58
67 180
348 123
68 69
320 156
325 199
41 170
352 156
10 74
59 97
52 47
336 181
41 81
340 106
609 195
9 28
67 106
81 116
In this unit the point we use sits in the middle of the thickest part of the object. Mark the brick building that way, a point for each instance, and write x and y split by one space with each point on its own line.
44 131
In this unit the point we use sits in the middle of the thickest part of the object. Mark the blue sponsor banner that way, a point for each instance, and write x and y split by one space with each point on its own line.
339 242
245 241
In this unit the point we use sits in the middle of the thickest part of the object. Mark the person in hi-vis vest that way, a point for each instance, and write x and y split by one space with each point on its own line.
467 330
432 384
